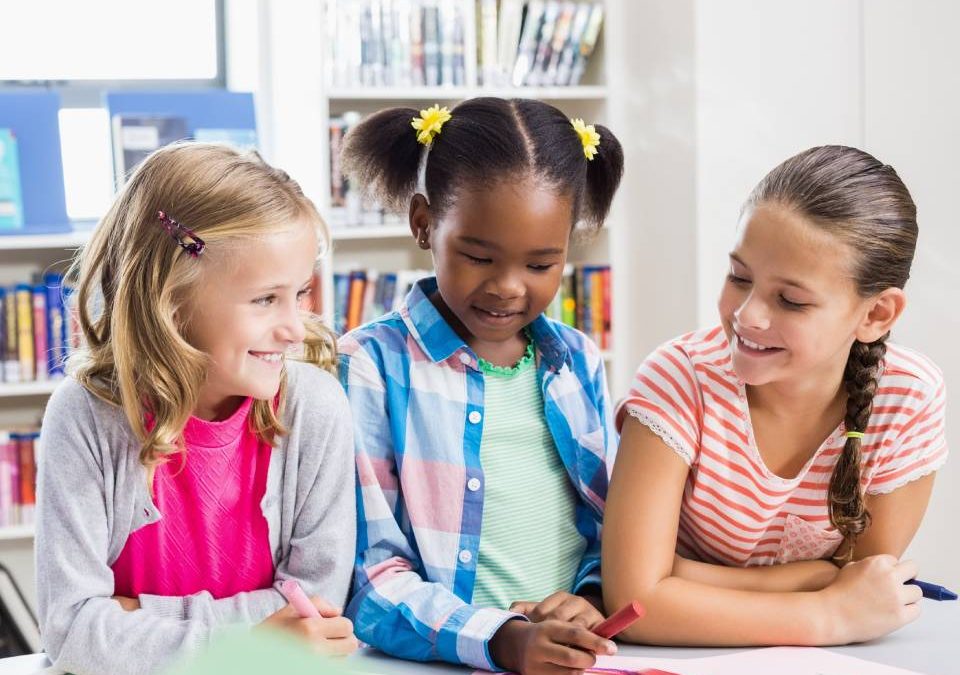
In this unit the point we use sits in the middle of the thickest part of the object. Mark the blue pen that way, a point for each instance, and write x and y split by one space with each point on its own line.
933 591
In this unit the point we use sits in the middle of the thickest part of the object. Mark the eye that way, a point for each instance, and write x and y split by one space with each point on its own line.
541 268
266 300
477 261
796 306
304 292
737 281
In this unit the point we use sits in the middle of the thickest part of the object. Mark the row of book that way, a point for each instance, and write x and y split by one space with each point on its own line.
583 301
551 47
37 330
18 450
404 43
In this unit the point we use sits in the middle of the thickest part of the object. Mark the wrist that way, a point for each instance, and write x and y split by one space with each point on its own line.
824 618
506 644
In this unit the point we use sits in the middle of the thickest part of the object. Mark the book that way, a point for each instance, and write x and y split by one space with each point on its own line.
11 196
561 37
572 45
588 42
57 323
509 25
39 302
487 31
136 136
527 47
548 26
11 355
24 309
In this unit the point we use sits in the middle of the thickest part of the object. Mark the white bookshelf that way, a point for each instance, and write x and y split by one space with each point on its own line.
22 403
42 242
16 533
391 246
11 390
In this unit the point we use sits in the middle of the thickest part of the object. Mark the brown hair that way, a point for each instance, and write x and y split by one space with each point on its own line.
861 200
134 282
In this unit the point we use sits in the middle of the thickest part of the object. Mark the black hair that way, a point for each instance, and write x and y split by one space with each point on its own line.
485 139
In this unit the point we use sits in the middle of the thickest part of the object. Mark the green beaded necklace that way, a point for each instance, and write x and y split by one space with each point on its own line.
510 371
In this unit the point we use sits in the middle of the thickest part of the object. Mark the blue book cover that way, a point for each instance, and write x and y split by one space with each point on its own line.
240 139
56 325
11 198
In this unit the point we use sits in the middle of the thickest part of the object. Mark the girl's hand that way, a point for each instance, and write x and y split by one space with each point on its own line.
868 599
562 606
330 634
129 604
549 647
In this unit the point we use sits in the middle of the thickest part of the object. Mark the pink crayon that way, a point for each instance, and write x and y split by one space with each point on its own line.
295 596
620 620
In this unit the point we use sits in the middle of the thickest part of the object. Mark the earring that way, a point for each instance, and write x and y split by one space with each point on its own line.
422 241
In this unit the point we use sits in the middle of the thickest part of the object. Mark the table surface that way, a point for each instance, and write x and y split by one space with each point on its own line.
930 645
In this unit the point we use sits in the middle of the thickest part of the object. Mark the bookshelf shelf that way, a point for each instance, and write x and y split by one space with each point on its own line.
16 532
24 389
366 232
386 94
40 242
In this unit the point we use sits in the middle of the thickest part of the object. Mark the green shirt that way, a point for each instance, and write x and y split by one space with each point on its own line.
529 543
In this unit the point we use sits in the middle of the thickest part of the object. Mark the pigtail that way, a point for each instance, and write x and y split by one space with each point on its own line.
604 172
845 497
381 155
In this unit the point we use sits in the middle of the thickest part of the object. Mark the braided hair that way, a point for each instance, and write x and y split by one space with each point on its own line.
851 194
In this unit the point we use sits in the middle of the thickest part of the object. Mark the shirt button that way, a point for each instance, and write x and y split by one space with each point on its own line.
465 358
474 417
465 556
473 484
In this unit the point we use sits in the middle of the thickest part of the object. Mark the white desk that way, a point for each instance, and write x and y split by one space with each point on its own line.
931 645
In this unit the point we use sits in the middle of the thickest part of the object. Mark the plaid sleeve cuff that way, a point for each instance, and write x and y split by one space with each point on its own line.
465 638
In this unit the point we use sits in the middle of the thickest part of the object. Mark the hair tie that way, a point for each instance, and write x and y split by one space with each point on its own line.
430 122
588 137
854 434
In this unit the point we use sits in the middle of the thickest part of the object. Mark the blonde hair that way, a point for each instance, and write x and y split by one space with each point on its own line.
134 281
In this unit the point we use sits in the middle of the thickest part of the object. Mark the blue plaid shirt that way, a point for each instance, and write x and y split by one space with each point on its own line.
417 395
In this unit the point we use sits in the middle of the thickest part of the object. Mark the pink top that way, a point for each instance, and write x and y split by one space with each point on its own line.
212 535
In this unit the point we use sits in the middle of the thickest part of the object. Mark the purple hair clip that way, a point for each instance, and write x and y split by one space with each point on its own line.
187 240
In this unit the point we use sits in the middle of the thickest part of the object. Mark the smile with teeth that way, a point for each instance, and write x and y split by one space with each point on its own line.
269 357
754 345
499 315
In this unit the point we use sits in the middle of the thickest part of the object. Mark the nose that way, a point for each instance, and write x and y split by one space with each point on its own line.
506 286
291 328
753 313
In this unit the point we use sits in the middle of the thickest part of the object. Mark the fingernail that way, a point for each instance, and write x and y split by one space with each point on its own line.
611 648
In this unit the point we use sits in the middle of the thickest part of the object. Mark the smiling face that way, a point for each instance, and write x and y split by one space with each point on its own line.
245 316
499 255
789 307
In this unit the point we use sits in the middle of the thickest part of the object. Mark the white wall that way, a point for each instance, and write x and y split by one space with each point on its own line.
775 77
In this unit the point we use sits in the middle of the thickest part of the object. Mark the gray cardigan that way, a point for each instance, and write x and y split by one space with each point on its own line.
92 493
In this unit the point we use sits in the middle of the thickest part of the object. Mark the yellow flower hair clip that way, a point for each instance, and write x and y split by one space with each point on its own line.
588 136
430 122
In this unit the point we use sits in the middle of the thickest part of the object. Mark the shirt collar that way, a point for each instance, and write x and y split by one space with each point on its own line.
439 341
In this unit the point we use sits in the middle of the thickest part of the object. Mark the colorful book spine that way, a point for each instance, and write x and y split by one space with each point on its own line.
56 325
8 451
27 359
40 342
11 355
27 469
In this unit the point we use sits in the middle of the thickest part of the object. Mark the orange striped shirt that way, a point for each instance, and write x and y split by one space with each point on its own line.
735 511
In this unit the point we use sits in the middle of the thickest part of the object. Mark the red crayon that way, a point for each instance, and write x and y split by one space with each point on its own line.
295 596
619 620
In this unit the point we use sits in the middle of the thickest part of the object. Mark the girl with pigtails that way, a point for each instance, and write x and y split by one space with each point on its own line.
484 436
773 469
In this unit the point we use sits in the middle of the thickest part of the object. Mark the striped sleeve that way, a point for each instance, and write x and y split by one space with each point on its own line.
665 397
920 446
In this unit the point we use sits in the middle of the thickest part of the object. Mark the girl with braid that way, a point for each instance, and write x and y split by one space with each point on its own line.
773 469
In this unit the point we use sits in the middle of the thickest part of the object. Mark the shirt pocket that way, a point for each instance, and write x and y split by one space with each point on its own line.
802 540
